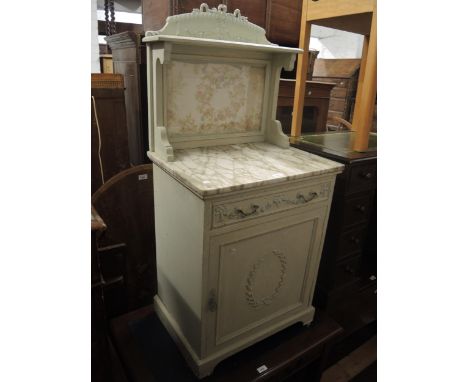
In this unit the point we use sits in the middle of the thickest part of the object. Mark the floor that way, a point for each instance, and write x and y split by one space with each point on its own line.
358 366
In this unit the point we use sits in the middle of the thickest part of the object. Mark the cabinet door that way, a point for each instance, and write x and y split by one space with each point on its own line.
260 275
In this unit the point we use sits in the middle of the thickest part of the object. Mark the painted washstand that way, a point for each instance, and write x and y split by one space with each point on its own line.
240 215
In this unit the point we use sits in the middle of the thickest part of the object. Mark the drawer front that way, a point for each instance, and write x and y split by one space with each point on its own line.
261 275
363 177
230 212
357 210
339 92
351 242
339 82
347 272
337 104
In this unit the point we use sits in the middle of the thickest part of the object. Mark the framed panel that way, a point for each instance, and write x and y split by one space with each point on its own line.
208 98
266 273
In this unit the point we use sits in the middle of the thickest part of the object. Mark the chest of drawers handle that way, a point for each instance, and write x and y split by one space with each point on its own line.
366 175
303 199
361 208
253 210
355 240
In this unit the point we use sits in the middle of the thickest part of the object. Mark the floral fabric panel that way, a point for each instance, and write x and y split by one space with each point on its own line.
209 98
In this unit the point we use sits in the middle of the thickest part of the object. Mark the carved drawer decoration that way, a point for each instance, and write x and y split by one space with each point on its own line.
235 212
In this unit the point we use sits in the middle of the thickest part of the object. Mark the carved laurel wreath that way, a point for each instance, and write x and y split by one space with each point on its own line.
249 294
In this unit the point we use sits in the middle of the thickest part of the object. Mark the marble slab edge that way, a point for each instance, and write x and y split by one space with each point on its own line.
203 194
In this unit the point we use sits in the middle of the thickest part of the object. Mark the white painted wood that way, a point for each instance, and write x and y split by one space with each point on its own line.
260 274
179 247
214 45
240 216
195 265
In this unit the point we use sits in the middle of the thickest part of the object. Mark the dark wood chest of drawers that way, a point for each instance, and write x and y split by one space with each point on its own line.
348 264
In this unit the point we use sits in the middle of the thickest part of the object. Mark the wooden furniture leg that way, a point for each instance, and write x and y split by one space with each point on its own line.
362 70
362 120
301 73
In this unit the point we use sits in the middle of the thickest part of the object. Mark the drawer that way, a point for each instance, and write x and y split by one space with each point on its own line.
351 242
357 209
337 104
230 212
347 271
339 82
339 92
362 177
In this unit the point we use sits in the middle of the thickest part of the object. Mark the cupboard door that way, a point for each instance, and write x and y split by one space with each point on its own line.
259 275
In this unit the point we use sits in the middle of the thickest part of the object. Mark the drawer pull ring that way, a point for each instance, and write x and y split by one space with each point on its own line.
303 199
361 208
350 269
355 240
253 210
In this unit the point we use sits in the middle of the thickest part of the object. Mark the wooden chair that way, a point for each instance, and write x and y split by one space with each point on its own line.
350 16
125 202
343 124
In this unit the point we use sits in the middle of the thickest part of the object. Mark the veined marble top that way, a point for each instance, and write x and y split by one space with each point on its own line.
219 169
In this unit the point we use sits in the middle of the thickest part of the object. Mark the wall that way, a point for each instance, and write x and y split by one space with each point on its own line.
333 43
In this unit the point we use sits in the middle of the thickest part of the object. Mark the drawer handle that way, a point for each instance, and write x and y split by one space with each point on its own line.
361 208
303 199
355 240
253 210
366 175
350 269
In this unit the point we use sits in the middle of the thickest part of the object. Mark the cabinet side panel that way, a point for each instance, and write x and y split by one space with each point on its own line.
179 250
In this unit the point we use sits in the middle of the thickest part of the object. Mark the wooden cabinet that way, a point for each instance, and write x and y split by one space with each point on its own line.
316 103
260 275
109 135
129 60
235 268
240 216
344 74
349 256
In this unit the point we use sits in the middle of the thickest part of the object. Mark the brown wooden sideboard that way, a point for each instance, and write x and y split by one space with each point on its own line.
129 60
316 105
344 74
109 137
